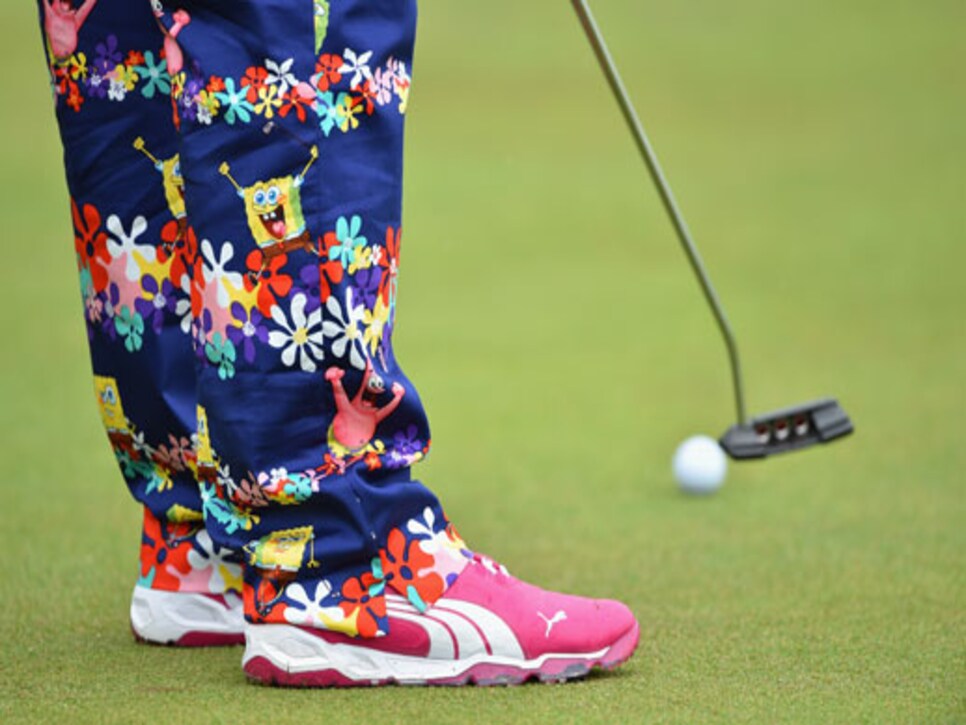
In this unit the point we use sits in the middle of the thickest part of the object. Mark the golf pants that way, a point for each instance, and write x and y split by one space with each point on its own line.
234 168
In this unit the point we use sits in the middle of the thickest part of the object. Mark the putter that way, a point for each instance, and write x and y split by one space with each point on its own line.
780 431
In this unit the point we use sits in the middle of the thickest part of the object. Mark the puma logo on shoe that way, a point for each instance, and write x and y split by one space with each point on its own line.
560 616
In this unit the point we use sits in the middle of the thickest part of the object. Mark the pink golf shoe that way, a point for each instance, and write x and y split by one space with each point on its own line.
489 628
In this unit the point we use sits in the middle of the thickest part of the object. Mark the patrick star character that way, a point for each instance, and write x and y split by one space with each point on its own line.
355 422
62 23
172 51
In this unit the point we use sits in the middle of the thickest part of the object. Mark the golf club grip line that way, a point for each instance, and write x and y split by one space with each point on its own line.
667 197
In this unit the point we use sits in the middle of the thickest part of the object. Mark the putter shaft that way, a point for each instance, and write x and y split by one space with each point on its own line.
667 197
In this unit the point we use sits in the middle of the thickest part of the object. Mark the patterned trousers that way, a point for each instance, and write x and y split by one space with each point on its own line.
234 169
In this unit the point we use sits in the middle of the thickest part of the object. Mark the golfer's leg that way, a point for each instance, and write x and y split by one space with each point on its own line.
291 124
135 254
291 115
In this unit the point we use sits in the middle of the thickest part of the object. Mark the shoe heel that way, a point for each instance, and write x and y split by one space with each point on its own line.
186 619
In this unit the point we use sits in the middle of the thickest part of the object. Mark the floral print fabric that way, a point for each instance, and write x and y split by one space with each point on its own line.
236 209
178 555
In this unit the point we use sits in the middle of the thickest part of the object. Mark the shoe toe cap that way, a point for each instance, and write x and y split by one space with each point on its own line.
587 625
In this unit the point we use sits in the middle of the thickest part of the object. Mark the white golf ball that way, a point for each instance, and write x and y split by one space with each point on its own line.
700 465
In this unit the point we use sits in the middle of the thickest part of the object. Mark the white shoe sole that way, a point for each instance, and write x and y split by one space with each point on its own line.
280 654
187 619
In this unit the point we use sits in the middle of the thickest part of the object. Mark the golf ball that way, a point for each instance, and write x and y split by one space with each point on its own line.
700 465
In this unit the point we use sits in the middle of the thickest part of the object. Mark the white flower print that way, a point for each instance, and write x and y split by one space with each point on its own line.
375 256
358 65
116 91
280 74
138 443
204 115
207 555
449 557
214 269
224 476
302 338
182 307
308 611
278 474
424 526
127 244
345 330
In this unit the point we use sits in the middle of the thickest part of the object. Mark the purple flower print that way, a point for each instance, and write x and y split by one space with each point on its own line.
386 349
406 449
162 298
405 442
97 84
110 307
201 329
107 57
251 330
312 286
187 108
367 284
194 86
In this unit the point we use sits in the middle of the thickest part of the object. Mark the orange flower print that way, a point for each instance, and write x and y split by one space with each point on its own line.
408 570
364 594
90 243
164 553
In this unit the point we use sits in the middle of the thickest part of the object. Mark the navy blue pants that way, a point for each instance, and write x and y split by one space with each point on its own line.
235 177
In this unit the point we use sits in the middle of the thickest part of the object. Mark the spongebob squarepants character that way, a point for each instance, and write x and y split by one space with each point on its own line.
173 182
112 413
279 555
274 212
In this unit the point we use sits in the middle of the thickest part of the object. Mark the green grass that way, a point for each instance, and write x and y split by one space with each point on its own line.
562 350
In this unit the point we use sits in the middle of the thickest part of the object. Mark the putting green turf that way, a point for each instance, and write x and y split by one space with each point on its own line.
563 350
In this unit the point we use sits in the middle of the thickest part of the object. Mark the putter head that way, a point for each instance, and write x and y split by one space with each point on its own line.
787 430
